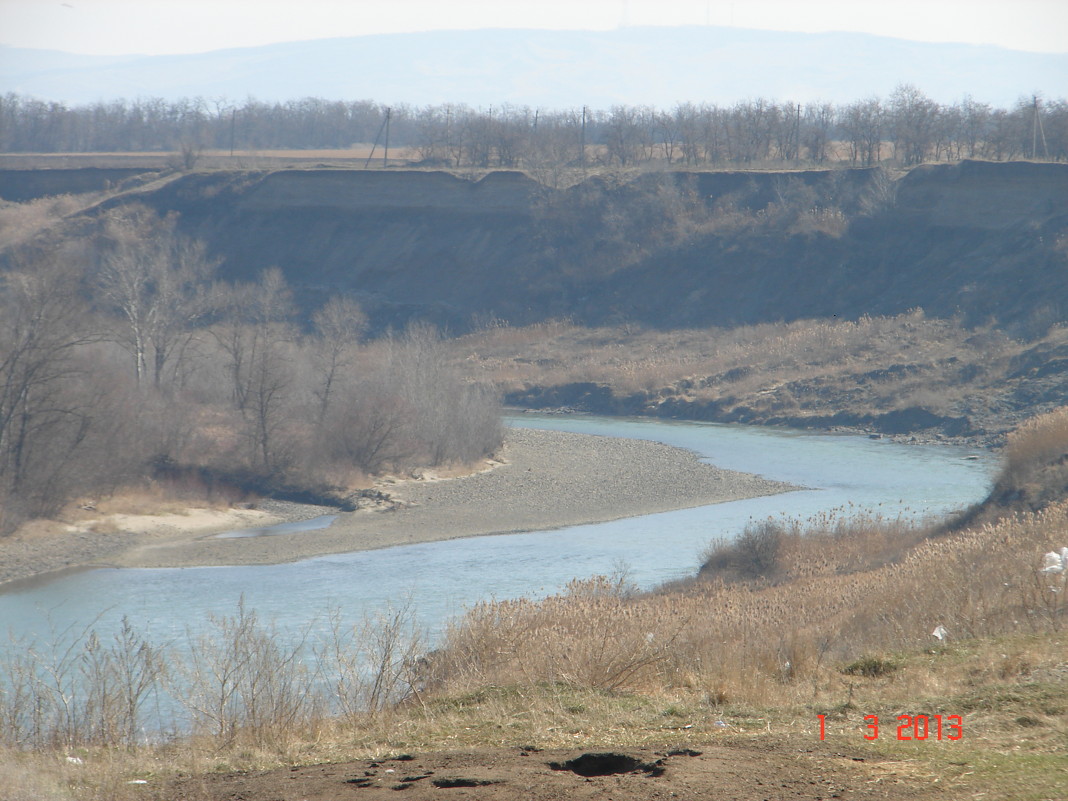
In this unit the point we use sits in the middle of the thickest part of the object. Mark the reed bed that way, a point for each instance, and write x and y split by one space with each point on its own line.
837 596
1036 443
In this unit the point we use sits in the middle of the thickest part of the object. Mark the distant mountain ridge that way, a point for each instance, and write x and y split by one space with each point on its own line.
658 66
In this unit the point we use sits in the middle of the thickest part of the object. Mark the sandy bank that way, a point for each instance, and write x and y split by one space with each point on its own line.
548 479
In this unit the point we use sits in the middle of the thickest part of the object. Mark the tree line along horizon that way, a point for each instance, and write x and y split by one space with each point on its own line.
906 128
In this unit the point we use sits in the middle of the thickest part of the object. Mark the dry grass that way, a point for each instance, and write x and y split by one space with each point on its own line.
833 543
843 630
801 368
804 373
828 606
1035 471
209 158
153 498
21 222
1010 692
1037 442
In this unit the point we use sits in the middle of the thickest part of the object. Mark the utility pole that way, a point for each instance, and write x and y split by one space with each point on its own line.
385 154
383 127
582 145
448 136
233 122
1036 129
797 133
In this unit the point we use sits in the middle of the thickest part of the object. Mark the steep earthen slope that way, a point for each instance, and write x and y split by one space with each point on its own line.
974 240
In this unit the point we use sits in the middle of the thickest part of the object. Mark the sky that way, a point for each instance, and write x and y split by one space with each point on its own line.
152 27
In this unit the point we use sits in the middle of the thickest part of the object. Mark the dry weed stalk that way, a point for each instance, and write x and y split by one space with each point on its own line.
239 682
1037 442
841 594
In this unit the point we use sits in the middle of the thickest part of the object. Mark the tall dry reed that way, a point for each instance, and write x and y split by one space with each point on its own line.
739 640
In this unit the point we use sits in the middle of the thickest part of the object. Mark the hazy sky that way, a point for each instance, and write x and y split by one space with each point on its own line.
188 26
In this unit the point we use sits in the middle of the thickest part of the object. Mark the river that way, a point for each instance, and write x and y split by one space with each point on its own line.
441 579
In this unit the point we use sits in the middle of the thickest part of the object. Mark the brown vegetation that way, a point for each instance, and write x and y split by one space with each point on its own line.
838 623
903 374
1035 475
123 359
822 610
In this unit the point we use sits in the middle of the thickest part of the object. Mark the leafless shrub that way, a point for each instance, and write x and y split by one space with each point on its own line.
374 665
339 324
237 681
368 429
77 689
754 554
242 679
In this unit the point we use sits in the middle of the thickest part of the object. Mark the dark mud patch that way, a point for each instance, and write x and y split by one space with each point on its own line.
609 764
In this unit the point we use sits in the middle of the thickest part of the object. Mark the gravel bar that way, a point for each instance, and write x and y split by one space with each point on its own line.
548 479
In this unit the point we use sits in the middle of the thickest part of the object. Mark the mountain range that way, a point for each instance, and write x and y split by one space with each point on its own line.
658 66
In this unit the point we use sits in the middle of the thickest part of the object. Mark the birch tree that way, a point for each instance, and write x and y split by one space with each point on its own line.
158 283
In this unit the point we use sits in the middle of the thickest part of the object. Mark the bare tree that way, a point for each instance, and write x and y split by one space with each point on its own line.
862 123
816 127
256 335
454 420
340 324
44 420
913 118
158 282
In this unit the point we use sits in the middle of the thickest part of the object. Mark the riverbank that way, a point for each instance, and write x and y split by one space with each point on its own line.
543 480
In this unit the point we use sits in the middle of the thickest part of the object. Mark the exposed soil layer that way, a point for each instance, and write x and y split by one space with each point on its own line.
749 772
955 241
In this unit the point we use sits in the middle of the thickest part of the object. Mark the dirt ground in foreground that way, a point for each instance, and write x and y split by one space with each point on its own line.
749 772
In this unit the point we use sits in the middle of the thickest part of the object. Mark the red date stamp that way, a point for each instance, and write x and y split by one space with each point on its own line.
911 727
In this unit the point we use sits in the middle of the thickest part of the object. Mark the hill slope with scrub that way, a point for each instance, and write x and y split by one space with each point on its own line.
975 240
788 298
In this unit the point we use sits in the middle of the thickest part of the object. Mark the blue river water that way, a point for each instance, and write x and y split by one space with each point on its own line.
440 580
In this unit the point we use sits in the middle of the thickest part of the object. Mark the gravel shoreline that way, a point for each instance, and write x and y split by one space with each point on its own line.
548 479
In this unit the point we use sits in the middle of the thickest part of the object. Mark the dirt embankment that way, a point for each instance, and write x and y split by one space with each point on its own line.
984 195
975 242
18 185
955 240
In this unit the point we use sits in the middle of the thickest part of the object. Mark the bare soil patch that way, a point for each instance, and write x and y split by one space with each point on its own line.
744 772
